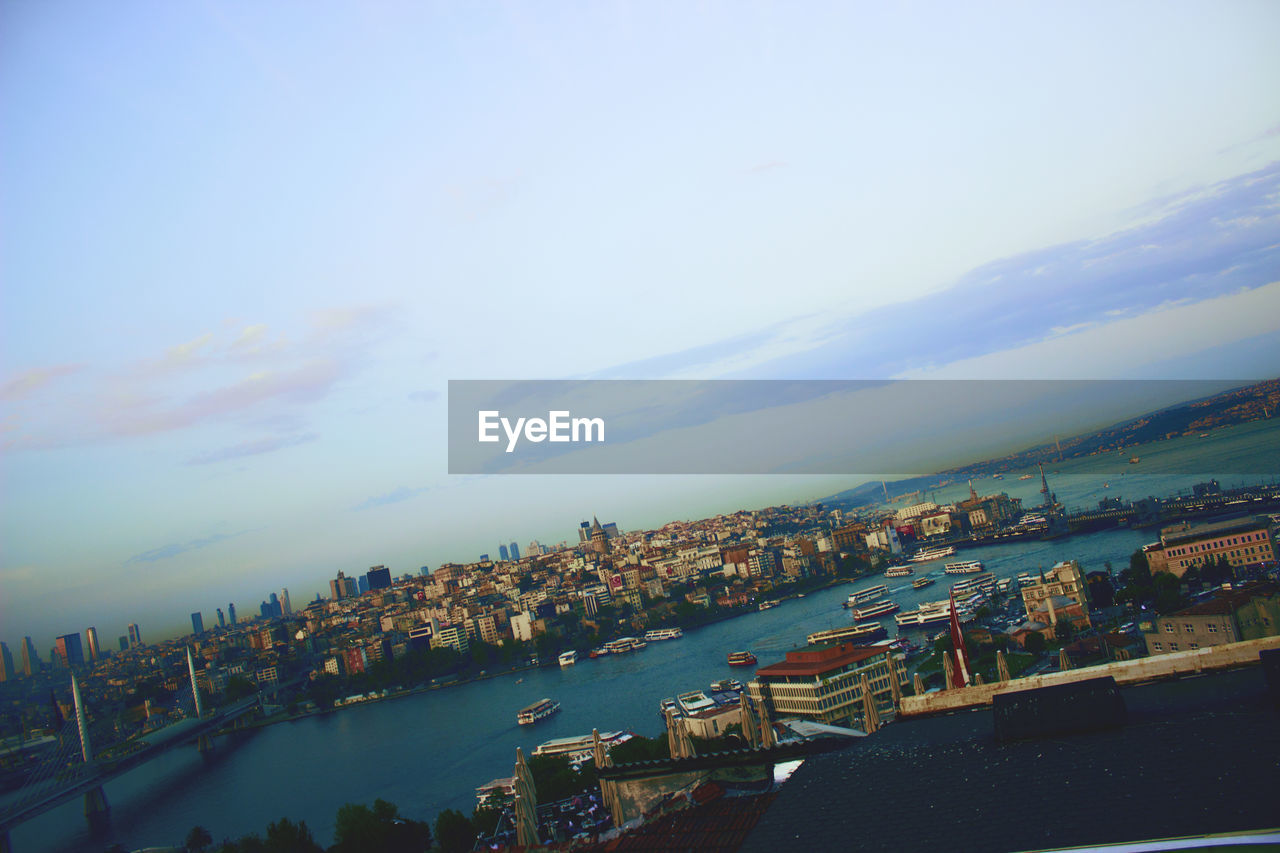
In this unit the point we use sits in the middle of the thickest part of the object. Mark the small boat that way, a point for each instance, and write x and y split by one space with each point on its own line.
765 605
897 571
694 701
568 658
1134 460
741 659
539 710
1025 477
598 653
921 583
726 685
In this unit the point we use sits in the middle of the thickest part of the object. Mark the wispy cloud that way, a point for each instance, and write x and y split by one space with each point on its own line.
427 396
26 383
251 448
173 549
766 166
403 493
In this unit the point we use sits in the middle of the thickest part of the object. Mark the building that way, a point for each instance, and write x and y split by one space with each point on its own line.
343 587
1062 594
515 551
197 623
135 635
231 613
124 643
286 609
379 577
503 554
1248 613
95 650
67 651
6 664
222 618
452 636
823 683
1242 542
30 660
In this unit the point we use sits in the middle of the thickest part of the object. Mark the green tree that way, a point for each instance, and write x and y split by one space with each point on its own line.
324 691
1035 642
455 833
485 821
1064 630
198 839
285 836
359 828
238 687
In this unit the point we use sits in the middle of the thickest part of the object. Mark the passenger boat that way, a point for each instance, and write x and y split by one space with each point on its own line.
694 701
726 685
741 659
929 554
669 704
598 653
897 571
853 633
865 595
964 567
929 615
664 634
984 581
874 610
921 583
568 658
579 749
765 605
539 710
622 645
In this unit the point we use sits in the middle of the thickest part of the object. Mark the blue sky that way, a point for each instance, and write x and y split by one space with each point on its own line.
245 246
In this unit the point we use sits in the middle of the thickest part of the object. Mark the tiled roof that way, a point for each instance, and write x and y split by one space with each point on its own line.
792 666
718 824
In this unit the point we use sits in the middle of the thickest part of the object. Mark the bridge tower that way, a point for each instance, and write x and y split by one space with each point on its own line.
95 800
204 743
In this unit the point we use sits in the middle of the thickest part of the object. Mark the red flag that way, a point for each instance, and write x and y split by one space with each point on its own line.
960 672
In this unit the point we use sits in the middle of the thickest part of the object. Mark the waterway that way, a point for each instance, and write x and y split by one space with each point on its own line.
429 751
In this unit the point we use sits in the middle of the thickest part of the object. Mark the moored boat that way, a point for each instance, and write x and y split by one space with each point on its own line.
963 567
694 701
868 632
664 634
929 554
727 685
568 658
874 610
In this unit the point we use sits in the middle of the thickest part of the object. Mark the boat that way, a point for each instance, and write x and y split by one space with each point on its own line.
637 643
1026 477
694 701
727 685
664 634
929 615
853 633
741 659
986 580
929 554
864 595
669 704
1134 460
997 476
539 710
598 653
897 571
623 644
964 567
921 583
765 605
579 749
874 610
568 658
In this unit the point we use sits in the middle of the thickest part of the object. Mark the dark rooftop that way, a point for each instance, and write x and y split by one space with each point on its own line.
1198 755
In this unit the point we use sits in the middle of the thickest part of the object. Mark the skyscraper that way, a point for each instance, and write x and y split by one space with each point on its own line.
222 618
231 613
503 553
67 651
135 635
197 623
124 643
6 663
285 606
362 583
379 577
276 608
95 651
515 551
30 660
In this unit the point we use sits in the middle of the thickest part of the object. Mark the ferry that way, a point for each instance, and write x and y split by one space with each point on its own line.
580 749
694 701
568 658
929 554
727 685
1026 476
865 595
598 653
871 612
929 615
765 605
741 659
897 571
623 644
539 710
921 583
664 634
853 633
669 704
964 567
984 581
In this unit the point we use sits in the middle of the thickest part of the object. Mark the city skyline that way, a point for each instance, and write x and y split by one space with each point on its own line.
243 271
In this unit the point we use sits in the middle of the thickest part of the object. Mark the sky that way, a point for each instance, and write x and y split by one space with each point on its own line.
244 247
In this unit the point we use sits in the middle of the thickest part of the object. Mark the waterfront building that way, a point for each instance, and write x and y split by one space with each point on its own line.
1242 542
1062 593
823 683
1248 613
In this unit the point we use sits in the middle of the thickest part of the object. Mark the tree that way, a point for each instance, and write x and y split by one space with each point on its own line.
1035 642
358 828
455 833
285 836
198 839
1064 630
238 687
485 821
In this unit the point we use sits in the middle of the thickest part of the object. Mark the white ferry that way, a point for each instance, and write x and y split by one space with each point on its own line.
874 610
865 595
765 605
853 633
727 685
624 644
568 658
694 701
579 749
964 567
984 581
921 583
929 554
664 634
897 571
539 710
928 615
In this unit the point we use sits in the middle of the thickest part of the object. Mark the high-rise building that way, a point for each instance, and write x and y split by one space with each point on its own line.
30 660
286 609
503 555
95 651
6 663
124 643
379 577
222 618
135 635
231 613
277 609
362 584
515 551
197 623
343 587
67 651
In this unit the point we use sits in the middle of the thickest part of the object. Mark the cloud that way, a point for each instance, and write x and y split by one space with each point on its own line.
251 448
173 549
766 166
394 497
27 382
427 396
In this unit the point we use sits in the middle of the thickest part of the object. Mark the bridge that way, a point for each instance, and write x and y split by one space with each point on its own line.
61 778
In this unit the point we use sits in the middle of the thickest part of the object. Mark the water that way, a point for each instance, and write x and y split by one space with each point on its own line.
428 752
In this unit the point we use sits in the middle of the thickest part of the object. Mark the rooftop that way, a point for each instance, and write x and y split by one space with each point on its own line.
1227 601
819 659
1185 532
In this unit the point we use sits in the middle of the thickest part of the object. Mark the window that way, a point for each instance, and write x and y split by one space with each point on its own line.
1173 647
1168 629
1158 646
1213 629
1189 628
1195 645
